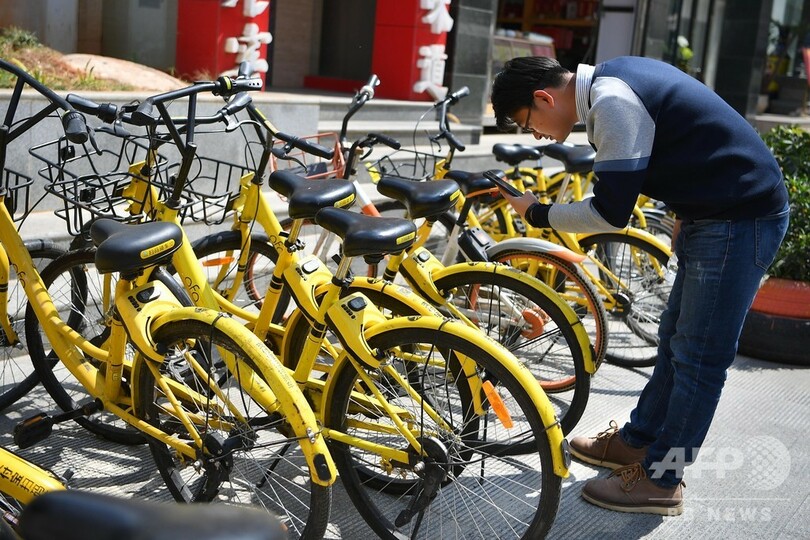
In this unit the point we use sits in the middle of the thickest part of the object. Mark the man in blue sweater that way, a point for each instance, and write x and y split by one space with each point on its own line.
661 133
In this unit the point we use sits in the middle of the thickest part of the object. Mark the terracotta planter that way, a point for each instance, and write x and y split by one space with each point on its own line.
784 297
777 327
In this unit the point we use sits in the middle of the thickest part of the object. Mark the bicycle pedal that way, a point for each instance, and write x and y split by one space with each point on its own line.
33 430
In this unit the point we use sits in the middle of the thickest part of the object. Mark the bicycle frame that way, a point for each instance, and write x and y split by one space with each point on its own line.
22 480
137 326
568 240
316 293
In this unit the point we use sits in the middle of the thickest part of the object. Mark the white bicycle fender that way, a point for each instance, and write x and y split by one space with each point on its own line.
534 244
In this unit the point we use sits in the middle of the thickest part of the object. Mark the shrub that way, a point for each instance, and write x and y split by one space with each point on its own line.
791 147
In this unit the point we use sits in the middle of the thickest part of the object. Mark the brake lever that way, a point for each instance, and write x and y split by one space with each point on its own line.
93 142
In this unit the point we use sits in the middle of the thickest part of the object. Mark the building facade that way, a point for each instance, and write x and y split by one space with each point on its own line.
419 48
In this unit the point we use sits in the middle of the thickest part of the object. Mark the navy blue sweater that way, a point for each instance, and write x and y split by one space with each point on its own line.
660 132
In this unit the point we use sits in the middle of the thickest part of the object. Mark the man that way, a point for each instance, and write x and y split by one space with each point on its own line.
659 132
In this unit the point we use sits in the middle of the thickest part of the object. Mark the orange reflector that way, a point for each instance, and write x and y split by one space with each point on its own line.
498 405
222 261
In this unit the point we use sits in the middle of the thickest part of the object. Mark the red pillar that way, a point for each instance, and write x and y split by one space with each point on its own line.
398 35
214 36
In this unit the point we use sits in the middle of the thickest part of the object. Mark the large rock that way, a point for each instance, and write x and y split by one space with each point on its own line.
138 76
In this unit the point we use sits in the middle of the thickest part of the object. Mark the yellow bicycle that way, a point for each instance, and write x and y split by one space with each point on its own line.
36 506
147 352
423 414
629 268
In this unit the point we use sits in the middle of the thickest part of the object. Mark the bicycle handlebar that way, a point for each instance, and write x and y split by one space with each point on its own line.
368 89
444 129
453 98
72 121
224 86
362 96
75 127
107 112
306 146
390 142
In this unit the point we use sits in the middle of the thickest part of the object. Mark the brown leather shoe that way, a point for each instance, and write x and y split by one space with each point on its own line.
607 449
629 490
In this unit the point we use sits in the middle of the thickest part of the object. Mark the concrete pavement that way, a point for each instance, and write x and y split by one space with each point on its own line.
750 481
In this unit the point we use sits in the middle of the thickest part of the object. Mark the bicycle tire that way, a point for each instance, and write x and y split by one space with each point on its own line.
76 289
549 348
634 326
659 224
540 335
254 452
456 459
567 279
17 373
219 254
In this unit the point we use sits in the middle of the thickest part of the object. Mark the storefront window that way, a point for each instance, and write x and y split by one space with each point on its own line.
677 32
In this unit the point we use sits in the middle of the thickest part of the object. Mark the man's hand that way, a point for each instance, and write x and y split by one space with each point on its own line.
522 203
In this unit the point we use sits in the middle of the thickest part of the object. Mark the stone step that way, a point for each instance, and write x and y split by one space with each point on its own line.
405 131
376 109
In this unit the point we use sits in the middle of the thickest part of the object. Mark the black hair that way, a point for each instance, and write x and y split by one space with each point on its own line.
514 86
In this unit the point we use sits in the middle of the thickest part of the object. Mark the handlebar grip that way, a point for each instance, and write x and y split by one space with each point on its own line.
458 94
143 116
306 146
106 112
246 85
386 140
227 85
368 89
239 102
75 127
453 141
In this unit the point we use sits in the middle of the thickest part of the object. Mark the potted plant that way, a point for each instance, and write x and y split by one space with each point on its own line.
778 325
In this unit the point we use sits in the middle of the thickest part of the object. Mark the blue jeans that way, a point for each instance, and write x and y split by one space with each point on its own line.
720 266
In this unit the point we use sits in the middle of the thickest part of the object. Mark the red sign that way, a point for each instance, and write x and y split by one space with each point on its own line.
214 36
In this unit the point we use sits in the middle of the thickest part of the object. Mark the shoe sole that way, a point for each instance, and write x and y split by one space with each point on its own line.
594 461
675 510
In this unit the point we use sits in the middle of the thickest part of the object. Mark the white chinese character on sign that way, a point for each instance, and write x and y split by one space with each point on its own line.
431 65
252 7
246 47
438 17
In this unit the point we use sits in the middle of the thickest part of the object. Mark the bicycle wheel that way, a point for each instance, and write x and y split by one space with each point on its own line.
521 318
532 327
219 256
464 485
249 455
81 295
571 284
633 272
660 223
17 374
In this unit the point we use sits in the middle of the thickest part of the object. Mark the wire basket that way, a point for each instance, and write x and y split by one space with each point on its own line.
91 184
404 163
211 189
313 166
17 187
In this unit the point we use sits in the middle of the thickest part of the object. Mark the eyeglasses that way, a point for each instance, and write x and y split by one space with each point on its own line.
525 127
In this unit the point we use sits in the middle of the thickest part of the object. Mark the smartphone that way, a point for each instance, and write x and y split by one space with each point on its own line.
493 177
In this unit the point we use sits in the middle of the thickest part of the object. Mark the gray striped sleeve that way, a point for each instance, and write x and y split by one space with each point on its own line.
578 217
